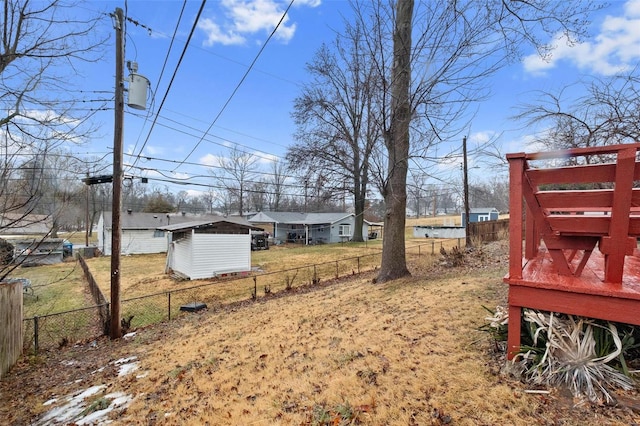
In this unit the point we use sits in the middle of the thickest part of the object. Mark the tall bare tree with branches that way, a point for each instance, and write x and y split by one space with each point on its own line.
446 50
236 173
336 119
41 44
606 114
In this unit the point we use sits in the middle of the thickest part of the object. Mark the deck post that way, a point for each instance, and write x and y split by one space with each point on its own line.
516 169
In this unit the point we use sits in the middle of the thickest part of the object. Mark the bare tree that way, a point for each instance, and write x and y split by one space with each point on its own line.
457 46
41 44
607 114
336 119
53 178
207 199
277 185
235 174
396 140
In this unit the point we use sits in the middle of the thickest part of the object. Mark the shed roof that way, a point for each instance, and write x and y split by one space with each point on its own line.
240 222
483 210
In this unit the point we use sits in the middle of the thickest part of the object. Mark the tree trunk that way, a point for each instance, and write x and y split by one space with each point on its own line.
394 264
358 204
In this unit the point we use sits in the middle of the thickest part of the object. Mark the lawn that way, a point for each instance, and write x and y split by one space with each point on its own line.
406 352
56 288
61 287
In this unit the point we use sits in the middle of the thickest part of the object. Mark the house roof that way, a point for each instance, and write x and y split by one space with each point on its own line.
242 223
139 220
483 210
299 218
24 224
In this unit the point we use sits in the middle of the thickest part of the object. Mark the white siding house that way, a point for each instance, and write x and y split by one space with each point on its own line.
206 249
140 233
311 228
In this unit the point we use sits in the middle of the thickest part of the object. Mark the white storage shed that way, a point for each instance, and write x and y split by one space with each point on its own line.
206 249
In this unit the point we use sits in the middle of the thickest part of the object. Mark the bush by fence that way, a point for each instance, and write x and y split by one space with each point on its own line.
50 331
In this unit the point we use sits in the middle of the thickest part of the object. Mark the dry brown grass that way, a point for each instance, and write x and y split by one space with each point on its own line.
406 352
144 274
397 351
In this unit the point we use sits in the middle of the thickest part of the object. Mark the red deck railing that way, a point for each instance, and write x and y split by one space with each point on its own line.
581 219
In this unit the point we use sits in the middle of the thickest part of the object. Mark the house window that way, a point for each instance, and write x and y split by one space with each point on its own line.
344 230
158 234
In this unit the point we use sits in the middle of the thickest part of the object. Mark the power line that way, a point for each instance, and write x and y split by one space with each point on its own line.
166 59
240 82
184 51
266 156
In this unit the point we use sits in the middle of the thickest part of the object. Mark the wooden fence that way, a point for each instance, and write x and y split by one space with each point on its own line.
11 321
490 230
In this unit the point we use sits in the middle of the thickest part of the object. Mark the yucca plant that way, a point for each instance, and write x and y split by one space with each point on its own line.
497 325
574 352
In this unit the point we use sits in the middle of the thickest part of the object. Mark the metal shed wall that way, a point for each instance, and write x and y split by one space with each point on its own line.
213 254
181 259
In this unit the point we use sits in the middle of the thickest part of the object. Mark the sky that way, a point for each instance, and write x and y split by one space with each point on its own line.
235 85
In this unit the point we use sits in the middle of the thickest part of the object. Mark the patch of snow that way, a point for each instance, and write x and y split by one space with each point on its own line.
118 400
129 335
49 402
124 360
69 362
142 375
127 368
99 370
73 408
71 412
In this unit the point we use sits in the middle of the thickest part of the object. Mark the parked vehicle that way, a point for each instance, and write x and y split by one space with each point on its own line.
259 241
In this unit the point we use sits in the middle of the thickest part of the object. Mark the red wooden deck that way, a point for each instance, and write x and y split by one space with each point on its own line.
580 254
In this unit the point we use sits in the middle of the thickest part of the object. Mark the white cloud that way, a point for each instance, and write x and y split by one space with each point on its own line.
267 159
210 160
154 150
609 52
310 3
216 35
243 18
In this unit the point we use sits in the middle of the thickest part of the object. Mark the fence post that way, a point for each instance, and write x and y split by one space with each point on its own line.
336 269
358 264
458 242
35 334
433 249
169 305
419 249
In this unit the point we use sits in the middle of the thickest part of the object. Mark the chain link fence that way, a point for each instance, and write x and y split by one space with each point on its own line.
56 330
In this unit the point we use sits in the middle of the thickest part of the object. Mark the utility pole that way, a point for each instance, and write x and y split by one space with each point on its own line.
115 330
86 218
466 192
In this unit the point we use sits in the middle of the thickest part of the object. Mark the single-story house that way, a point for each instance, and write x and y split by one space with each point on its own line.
209 248
37 251
140 233
311 228
483 214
